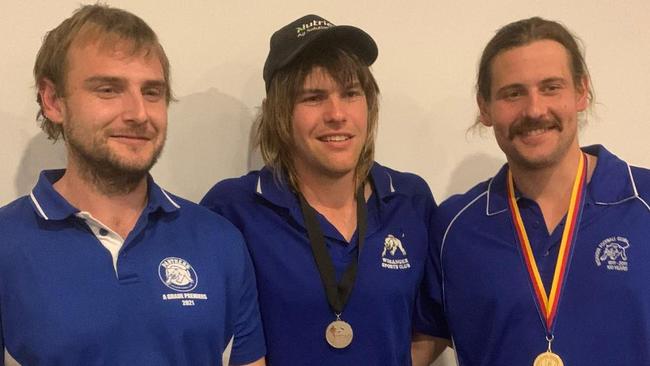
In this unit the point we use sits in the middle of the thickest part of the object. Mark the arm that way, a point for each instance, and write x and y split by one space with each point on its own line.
431 332
248 342
2 343
425 349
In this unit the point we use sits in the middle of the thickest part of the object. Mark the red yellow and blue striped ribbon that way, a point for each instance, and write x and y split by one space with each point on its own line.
548 303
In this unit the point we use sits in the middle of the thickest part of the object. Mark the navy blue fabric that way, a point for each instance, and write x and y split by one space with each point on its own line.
479 287
63 303
293 304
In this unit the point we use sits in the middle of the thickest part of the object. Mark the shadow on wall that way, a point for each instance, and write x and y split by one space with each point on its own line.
40 154
255 160
406 137
473 169
208 140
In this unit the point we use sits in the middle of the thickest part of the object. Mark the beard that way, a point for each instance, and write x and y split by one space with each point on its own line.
103 167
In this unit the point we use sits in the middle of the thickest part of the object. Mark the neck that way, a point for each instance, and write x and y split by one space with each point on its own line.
330 193
118 209
334 199
550 187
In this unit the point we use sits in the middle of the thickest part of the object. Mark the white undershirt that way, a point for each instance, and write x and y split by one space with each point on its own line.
109 238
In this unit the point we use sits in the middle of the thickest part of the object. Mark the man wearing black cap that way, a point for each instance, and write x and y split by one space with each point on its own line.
338 241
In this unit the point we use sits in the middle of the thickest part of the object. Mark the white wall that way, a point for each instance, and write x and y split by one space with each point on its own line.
428 52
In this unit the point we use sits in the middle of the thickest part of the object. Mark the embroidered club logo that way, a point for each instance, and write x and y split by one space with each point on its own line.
177 274
394 255
391 245
611 253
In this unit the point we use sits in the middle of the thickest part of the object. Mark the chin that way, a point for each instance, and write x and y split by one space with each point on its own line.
133 164
535 162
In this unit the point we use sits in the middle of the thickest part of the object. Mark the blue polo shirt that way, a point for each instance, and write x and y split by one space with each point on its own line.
182 287
294 307
478 275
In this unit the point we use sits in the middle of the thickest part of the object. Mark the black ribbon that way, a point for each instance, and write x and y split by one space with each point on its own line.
337 293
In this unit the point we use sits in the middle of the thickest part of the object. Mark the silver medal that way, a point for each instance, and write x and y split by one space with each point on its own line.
339 334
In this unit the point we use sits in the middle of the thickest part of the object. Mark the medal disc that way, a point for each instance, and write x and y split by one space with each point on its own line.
548 359
339 334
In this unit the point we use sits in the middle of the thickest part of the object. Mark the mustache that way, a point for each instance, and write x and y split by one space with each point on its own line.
133 132
527 124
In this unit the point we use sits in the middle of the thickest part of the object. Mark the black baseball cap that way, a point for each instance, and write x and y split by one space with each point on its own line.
288 42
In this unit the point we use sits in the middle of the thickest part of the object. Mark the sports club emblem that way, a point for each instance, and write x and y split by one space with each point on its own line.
177 274
611 253
394 255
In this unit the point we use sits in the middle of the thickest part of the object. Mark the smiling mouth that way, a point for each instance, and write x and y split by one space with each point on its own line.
535 132
335 138
130 137
530 127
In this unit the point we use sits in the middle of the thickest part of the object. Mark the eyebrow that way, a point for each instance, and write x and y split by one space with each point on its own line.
94 80
553 79
354 85
102 79
155 84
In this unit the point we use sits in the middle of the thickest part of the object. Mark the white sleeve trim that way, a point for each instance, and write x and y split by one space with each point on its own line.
444 238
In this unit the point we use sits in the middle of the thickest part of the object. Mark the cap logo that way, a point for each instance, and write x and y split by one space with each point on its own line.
312 26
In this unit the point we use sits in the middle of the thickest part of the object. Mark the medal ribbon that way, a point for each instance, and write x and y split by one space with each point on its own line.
548 304
337 293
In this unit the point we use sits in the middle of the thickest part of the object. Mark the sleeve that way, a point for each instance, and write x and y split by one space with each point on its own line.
210 201
2 342
429 316
248 344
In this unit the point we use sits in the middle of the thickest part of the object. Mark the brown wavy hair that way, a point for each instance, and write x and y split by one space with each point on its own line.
274 121
521 33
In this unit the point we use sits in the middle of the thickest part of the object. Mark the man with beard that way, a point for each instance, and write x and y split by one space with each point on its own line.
545 263
338 241
99 265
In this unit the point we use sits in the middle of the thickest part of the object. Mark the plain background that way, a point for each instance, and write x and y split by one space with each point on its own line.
428 55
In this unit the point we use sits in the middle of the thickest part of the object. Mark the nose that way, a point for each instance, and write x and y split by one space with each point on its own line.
335 109
535 105
135 108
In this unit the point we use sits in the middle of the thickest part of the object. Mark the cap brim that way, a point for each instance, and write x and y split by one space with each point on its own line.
349 37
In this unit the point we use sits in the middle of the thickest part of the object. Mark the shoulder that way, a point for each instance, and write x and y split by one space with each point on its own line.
17 213
641 178
203 222
232 190
474 199
402 182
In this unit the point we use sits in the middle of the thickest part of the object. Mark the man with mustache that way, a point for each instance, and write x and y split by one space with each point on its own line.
517 274
322 219
99 265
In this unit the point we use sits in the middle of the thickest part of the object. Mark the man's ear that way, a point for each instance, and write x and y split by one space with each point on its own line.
583 94
484 116
51 103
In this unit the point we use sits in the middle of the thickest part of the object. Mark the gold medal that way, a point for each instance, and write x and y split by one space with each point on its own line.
339 334
548 358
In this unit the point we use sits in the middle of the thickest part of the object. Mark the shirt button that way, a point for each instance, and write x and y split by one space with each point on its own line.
547 253
103 232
